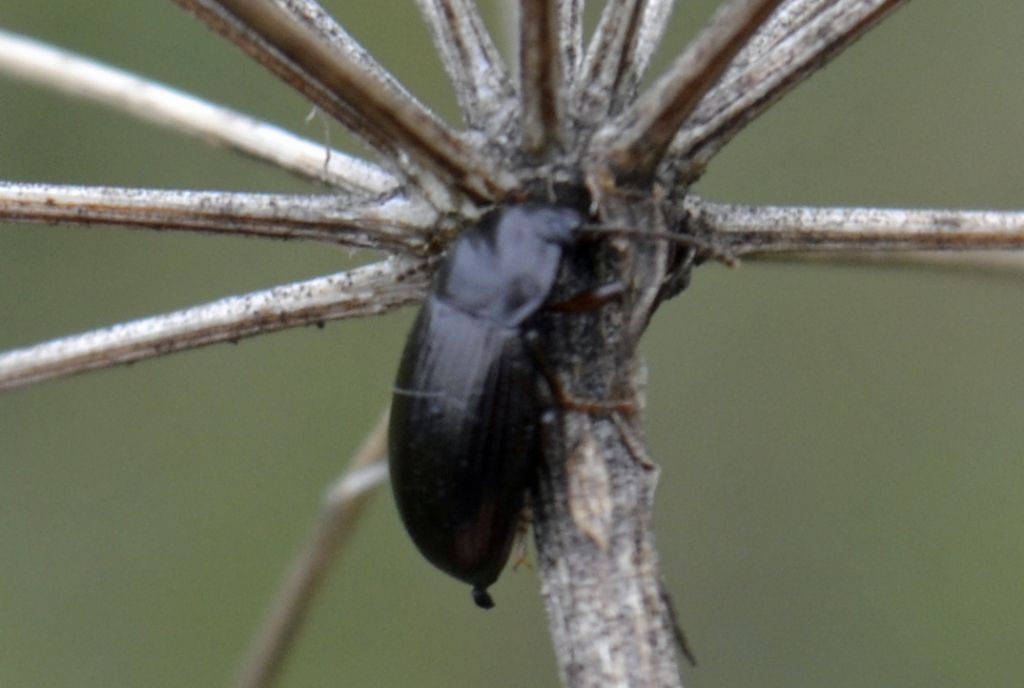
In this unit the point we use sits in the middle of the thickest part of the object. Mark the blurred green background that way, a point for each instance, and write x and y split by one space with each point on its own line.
841 502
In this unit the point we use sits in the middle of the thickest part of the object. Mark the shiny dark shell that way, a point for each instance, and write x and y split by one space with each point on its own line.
463 435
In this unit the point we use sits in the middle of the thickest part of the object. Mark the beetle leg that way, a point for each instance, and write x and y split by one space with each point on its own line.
633 444
520 548
705 248
677 630
678 277
565 400
590 299
594 407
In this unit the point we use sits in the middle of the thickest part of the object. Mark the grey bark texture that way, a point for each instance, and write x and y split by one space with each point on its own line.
610 620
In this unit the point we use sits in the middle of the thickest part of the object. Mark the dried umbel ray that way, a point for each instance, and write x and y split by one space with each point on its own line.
571 122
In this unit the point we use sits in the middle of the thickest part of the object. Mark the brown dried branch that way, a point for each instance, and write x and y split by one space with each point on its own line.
764 230
626 37
541 74
598 562
633 145
482 84
793 46
571 37
592 514
81 77
369 290
340 512
393 224
345 85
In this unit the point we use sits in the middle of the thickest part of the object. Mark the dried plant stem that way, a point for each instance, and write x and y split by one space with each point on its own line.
369 290
637 141
609 619
626 37
804 37
482 84
339 515
395 224
541 75
765 230
593 507
356 93
80 77
570 25
749 231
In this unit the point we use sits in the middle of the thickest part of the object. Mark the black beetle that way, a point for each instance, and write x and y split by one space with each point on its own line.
464 441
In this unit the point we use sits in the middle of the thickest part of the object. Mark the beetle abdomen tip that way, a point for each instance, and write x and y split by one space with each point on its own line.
482 598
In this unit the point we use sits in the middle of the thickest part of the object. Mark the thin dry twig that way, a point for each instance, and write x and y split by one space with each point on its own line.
634 144
77 76
788 18
624 41
482 84
571 37
764 230
394 224
352 90
794 46
368 290
339 515
541 75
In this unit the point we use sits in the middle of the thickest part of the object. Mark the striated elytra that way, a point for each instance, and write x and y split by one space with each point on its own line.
463 438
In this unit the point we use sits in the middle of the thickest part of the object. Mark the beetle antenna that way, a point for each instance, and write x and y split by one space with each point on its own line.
708 248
